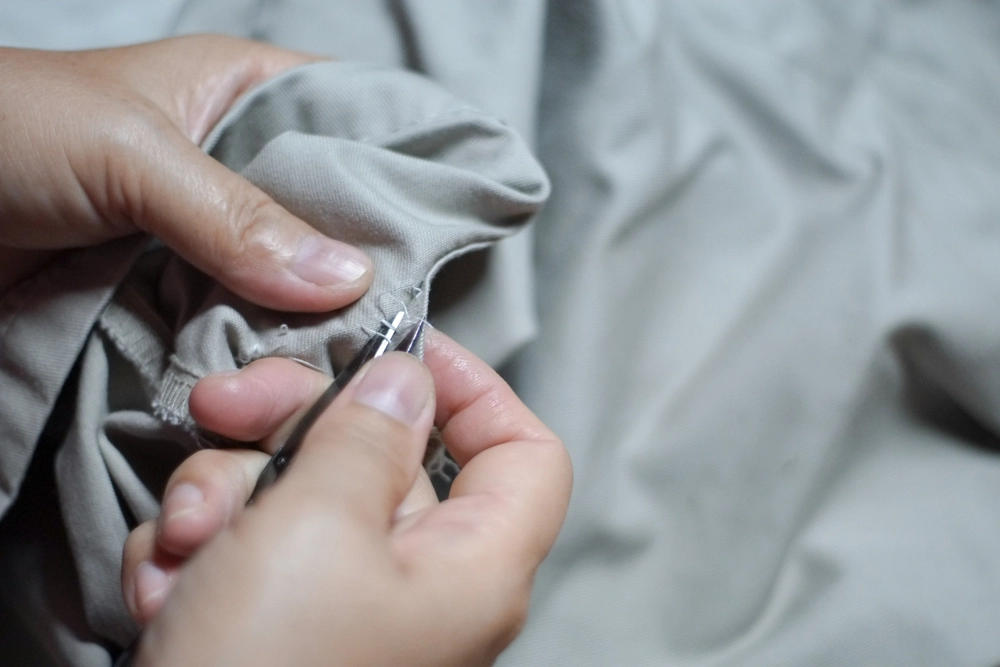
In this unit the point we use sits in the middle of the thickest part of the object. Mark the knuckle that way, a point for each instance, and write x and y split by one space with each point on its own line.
203 464
133 121
128 140
217 473
379 438
314 524
128 549
251 232
138 543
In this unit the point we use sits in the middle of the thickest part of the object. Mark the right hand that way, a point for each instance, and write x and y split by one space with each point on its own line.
327 567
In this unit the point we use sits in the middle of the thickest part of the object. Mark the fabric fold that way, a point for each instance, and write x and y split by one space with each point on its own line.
382 159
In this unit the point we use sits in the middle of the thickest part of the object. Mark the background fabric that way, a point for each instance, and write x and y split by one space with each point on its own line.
762 311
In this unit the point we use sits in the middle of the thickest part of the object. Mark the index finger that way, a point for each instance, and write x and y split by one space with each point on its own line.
476 409
516 474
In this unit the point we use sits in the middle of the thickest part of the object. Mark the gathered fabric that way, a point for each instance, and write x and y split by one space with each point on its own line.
758 306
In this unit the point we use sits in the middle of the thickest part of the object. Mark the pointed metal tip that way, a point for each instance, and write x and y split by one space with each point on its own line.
411 341
374 347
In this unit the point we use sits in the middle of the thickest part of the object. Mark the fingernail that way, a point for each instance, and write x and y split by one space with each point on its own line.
396 385
151 584
183 500
322 261
128 590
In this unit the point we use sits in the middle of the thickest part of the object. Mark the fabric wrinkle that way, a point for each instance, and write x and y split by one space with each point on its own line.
383 160
758 306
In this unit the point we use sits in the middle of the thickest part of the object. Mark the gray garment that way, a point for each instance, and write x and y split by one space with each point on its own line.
765 292
382 159
85 24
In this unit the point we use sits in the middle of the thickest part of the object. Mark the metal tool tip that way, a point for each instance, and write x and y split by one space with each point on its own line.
411 341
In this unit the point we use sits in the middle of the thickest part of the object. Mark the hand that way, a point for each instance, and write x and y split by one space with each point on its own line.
95 145
260 404
330 566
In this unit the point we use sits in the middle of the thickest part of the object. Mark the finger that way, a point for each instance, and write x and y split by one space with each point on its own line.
363 453
222 223
207 74
206 493
511 501
513 491
140 545
265 401
476 409
420 497
147 573
505 507
261 402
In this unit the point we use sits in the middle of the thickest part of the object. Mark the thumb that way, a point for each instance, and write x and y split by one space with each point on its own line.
364 452
230 229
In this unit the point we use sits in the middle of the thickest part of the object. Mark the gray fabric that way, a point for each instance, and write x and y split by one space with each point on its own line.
379 159
491 53
57 308
765 294
776 267
85 24
382 159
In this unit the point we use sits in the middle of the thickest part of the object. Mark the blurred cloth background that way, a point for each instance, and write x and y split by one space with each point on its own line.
761 306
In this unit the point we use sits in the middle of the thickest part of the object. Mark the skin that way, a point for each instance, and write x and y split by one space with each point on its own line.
96 145
349 559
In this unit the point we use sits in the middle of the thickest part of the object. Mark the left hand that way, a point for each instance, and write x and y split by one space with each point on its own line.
95 145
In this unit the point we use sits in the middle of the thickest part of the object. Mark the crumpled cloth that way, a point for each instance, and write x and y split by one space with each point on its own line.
381 159
764 297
